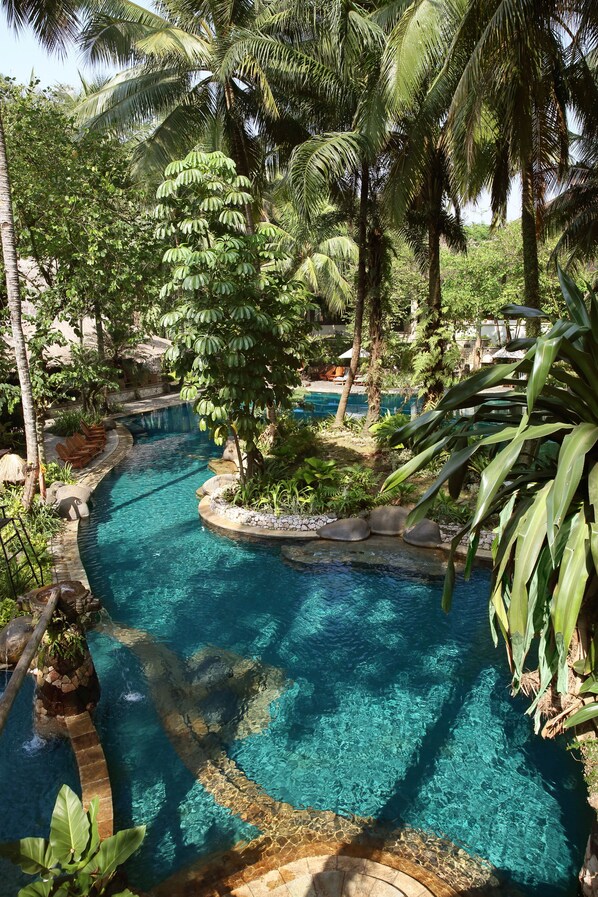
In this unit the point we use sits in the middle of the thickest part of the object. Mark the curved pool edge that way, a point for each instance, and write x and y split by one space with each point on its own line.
65 546
264 866
275 855
228 527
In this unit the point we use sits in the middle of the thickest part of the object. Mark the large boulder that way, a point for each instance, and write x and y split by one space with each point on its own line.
13 640
218 466
351 529
75 490
72 508
388 521
425 534
214 484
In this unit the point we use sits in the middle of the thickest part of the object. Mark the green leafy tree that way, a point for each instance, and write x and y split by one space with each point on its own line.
239 329
73 861
81 223
53 22
536 424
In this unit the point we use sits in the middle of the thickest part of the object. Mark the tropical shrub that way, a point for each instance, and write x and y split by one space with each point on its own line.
239 330
539 418
73 862
387 426
9 609
69 422
54 472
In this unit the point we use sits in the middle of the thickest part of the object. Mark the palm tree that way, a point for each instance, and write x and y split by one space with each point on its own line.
525 70
422 191
175 89
321 255
329 55
573 214
53 23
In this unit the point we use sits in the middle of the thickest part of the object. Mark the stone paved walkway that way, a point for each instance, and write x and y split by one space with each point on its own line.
333 876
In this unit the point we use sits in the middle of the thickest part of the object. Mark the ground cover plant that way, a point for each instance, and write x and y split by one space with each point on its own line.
537 421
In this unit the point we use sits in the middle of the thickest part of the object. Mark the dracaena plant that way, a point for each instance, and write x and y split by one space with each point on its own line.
73 861
536 422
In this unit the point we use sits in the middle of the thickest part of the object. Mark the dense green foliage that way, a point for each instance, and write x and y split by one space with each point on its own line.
540 436
239 328
73 861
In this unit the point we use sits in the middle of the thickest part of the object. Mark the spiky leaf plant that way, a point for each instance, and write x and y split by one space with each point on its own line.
538 420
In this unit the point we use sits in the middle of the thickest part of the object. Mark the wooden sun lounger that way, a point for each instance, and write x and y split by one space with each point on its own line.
76 460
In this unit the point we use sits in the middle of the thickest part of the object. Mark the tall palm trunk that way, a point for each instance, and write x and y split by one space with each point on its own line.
531 268
9 254
376 250
361 293
433 343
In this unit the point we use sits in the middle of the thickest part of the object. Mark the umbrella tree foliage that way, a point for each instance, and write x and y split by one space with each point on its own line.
537 422
239 329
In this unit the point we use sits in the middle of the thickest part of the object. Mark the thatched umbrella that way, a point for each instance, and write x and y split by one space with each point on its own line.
12 469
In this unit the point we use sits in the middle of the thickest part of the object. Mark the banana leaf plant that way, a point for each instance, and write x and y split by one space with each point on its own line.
536 421
73 862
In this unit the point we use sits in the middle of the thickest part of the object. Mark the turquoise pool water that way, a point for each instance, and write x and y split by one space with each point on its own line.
323 404
392 709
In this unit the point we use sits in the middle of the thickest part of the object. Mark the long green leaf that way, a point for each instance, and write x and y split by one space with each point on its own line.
116 850
574 299
571 462
69 828
473 385
419 461
530 538
544 356
590 711
570 588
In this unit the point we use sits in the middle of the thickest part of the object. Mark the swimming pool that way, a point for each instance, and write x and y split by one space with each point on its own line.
324 404
378 704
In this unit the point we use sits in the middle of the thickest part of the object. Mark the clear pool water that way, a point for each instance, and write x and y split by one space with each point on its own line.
32 771
323 404
393 709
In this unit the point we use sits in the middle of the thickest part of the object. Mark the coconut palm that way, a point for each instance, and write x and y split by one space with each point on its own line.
53 24
333 52
573 214
422 192
526 69
174 88
322 255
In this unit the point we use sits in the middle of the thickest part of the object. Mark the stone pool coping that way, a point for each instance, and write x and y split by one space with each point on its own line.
231 528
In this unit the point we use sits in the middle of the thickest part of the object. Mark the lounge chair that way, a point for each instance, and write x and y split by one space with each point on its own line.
76 460
77 445
93 432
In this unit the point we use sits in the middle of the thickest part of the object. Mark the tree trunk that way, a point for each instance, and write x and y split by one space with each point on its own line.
531 268
433 345
239 150
9 254
101 343
376 274
361 294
